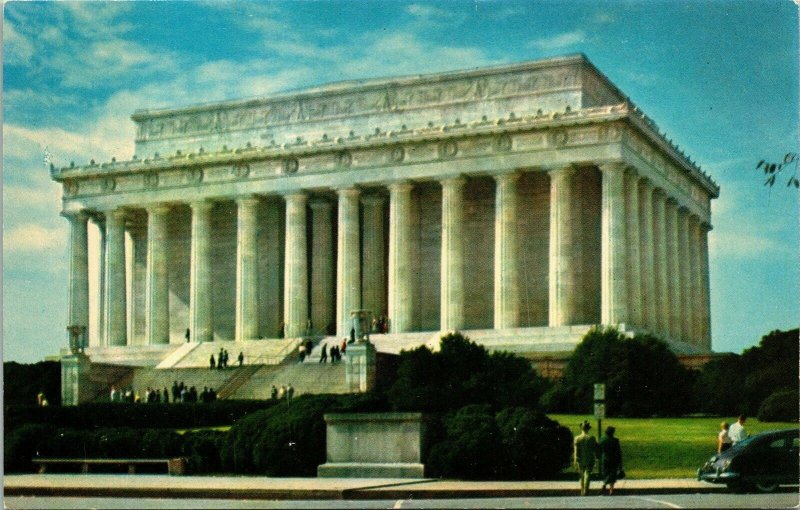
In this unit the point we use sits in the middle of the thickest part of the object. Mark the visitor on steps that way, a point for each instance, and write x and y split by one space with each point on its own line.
323 356
241 358
211 362
302 352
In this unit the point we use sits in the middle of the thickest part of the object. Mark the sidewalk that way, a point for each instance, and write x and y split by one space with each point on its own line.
229 487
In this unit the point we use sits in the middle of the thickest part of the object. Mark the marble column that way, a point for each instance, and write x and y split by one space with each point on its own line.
684 262
295 289
348 261
373 278
322 265
200 304
647 270
660 262
705 289
506 258
563 258
115 294
78 270
138 319
633 243
401 293
452 255
673 267
247 269
614 291
157 293
696 280
100 339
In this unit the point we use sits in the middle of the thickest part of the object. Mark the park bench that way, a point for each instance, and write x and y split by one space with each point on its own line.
176 466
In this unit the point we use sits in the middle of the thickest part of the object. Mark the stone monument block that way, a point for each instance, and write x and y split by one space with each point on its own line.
360 370
374 445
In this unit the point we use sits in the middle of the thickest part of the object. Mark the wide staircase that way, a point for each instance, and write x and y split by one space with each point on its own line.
255 352
303 377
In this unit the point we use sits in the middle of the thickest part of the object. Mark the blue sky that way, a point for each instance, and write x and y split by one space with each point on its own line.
721 78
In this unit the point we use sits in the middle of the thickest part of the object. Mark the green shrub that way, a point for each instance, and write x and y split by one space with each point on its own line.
471 450
463 373
23 382
634 371
516 443
203 451
782 405
536 447
21 445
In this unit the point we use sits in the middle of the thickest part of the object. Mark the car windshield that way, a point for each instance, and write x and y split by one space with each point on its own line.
745 442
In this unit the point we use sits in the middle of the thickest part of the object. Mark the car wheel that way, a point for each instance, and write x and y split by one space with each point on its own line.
766 486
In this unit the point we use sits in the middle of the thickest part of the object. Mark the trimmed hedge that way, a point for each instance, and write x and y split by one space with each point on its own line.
107 414
515 444
202 449
782 405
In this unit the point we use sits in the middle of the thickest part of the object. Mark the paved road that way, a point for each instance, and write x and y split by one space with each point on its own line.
780 500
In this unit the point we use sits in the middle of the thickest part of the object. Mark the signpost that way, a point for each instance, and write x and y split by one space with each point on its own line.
599 406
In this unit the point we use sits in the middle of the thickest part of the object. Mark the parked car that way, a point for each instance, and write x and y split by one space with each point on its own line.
761 462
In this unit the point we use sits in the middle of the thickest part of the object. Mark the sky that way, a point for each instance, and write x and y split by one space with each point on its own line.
720 78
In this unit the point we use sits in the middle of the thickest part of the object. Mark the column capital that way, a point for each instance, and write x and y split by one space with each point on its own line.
79 215
245 200
613 167
119 214
400 186
201 205
350 191
563 171
296 197
506 177
158 208
453 182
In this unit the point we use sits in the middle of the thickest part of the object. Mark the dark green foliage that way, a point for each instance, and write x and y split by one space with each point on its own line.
471 448
516 443
22 382
88 416
289 439
735 384
463 373
537 447
23 444
642 376
780 406
714 389
203 451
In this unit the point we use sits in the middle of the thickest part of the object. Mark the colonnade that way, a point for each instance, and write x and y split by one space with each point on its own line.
653 260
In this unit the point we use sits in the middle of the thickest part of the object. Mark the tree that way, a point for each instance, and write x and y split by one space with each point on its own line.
642 376
463 373
773 170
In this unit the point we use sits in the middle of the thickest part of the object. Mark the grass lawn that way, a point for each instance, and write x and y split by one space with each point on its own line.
665 447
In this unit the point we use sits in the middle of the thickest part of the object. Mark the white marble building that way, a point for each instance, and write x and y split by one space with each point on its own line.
520 204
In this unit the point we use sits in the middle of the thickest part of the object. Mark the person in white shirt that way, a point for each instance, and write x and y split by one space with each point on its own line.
737 432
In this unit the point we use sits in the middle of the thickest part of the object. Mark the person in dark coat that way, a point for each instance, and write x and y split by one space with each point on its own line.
323 356
610 459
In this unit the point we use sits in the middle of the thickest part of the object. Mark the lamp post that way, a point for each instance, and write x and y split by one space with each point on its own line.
599 406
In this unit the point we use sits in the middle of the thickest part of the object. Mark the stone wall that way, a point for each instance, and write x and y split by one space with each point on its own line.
478 236
533 225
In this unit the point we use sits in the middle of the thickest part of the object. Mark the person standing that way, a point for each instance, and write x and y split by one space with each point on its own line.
737 432
723 439
212 362
584 456
610 459
323 355
240 358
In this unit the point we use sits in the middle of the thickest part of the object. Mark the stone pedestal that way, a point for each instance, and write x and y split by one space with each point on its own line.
374 445
360 369
76 384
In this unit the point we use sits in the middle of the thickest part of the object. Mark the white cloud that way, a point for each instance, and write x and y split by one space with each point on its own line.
32 237
17 48
559 41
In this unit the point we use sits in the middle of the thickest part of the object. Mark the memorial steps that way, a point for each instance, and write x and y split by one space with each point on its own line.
308 377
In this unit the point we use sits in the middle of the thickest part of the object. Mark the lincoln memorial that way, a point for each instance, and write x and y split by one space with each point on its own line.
519 204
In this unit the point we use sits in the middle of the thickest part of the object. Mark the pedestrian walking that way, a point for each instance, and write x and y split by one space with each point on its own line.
241 358
584 456
274 393
610 460
723 438
323 355
302 352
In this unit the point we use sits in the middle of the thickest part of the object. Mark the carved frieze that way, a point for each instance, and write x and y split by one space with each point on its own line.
389 98
151 180
194 175
108 184
502 143
448 149
290 165
240 170
343 159
397 154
